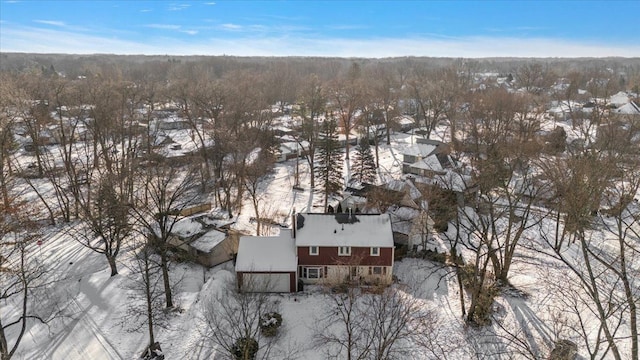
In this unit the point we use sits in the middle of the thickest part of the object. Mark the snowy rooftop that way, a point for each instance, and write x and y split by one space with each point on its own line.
357 230
429 163
183 228
405 120
402 219
453 181
629 108
209 240
620 98
271 253
419 150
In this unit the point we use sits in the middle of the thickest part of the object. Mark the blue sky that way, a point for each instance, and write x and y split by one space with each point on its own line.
323 28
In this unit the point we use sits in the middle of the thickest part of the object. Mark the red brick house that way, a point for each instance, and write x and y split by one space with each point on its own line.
344 247
321 248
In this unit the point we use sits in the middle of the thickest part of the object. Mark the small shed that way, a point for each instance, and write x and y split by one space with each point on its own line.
195 238
214 247
267 264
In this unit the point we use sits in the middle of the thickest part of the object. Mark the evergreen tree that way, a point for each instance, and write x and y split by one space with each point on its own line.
328 168
364 165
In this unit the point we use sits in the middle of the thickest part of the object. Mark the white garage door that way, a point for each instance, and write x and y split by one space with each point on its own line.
266 282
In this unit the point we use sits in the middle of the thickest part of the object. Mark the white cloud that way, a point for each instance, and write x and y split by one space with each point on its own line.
172 27
231 26
209 3
33 39
51 22
178 7
146 10
346 27
163 26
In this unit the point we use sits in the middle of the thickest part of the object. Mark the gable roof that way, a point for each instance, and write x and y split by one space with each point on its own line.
431 163
357 230
267 253
209 240
629 108
420 149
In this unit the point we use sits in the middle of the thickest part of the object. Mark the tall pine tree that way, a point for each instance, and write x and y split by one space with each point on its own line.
364 165
329 161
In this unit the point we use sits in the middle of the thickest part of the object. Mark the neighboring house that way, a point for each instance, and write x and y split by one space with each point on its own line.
282 130
405 222
342 139
369 198
321 248
427 158
291 150
372 132
172 124
405 122
398 198
198 239
630 108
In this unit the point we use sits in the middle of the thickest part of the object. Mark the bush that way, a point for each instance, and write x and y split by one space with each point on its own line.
341 288
245 349
564 350
269 324
435 256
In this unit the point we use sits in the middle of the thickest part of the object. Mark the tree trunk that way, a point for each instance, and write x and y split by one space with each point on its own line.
112 264
164 263
255 208
147 281
454 256
312 168
628 291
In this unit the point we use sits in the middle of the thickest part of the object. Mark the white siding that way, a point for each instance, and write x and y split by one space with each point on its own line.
266 282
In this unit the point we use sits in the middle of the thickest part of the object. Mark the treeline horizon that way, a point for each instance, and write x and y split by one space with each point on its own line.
75 64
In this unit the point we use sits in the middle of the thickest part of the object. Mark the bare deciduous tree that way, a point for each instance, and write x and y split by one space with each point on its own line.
162 195
24 279
148 283
233 318
382 323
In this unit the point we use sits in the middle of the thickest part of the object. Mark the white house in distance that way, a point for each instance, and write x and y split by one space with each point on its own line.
321 248
427 158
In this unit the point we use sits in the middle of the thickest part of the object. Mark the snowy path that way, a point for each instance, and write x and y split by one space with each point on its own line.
83 340
83 277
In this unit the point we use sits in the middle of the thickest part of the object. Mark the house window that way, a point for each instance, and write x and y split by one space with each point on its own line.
312 273
313 250
377 270
344 251
375 251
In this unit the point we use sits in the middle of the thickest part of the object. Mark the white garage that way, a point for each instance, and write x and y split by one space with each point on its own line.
267 264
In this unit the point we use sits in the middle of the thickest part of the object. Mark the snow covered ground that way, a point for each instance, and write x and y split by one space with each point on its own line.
97 325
